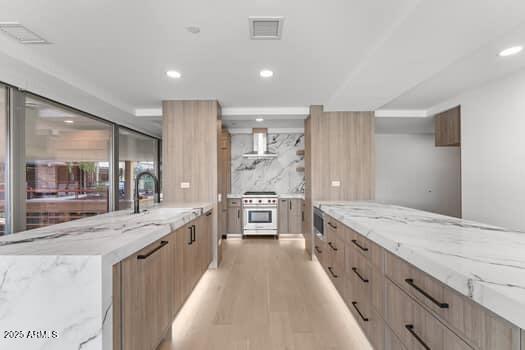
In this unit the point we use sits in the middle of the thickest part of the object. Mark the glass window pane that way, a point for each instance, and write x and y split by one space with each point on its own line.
3 123
137 153
67 164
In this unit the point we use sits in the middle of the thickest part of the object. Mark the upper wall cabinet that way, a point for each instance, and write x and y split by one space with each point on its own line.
448 127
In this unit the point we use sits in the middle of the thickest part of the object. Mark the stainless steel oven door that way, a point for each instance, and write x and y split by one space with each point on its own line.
260 220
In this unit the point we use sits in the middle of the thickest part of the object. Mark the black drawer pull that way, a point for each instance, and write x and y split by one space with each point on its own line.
359 275
145 256
354 304
191 235
410 281
318 250
208 213
410 328
332 226
365 249
332 272
331 246
194 233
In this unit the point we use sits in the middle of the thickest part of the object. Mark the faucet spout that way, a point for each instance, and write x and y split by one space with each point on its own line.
156 196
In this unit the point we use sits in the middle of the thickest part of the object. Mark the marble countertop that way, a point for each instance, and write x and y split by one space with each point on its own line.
116 235
483 262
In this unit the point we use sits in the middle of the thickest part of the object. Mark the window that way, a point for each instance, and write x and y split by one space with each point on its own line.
67 157
137 153
3 143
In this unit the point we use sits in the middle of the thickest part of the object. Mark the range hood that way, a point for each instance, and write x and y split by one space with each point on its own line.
260 145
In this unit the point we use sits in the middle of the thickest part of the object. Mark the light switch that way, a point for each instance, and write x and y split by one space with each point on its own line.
184 185
336 183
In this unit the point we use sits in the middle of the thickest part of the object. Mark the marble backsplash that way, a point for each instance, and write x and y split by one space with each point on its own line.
276 174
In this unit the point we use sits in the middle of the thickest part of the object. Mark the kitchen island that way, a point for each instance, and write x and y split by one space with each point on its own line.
57 283
467 275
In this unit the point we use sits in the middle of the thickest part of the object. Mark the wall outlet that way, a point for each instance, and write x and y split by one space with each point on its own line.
336 183
184 185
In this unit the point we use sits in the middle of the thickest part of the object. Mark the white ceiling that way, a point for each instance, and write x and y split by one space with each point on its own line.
344 54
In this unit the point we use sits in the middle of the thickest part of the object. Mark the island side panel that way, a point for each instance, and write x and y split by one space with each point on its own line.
57 294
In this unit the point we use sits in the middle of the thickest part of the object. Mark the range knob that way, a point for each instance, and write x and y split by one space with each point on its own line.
260 201
250 200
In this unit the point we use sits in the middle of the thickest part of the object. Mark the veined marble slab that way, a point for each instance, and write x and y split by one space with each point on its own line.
59 278
483 262
277 174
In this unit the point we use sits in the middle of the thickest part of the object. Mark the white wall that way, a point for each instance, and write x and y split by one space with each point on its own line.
412 172
493 155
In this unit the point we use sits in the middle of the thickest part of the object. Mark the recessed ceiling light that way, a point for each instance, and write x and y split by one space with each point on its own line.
69 121
511 51
259 120
266 73
193 29
173 74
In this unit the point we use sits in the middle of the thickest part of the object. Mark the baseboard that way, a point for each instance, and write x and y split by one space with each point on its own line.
291 236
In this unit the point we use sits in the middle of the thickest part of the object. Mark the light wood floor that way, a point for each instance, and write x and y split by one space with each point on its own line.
266 295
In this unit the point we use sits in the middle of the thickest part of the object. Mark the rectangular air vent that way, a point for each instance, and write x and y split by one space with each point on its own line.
20 33
266 28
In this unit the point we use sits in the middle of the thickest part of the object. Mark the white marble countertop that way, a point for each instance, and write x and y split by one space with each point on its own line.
115 235
60 278
233 195
483 262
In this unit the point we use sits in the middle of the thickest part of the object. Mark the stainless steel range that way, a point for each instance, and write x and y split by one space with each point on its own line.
260 213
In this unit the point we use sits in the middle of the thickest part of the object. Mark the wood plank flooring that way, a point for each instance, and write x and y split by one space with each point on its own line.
266 295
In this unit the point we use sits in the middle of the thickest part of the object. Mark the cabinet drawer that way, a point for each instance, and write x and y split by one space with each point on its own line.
335 263
368 319
234 202
392 342
370 250
416 327
319 250
475 324
363 274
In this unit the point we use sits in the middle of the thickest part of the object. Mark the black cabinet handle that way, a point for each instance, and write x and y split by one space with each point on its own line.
332 272
290 203
359 275
365 249
302 216
194 233
191 235
411 283
331 246
410 328
354 304
208 213
318 250
238 213
332 226
145 256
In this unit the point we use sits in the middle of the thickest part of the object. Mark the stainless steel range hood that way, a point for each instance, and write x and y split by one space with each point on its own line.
260 145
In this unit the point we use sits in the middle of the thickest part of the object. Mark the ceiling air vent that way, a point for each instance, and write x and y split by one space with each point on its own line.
266 28
20 33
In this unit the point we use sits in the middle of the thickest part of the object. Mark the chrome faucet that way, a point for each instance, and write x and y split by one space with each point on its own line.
156 196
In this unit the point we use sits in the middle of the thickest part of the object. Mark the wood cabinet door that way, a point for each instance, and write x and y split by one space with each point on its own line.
234 220
295 216
188 260
284 209
146 296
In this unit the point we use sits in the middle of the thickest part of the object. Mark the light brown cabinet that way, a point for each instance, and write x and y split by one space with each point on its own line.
235 220
448 127
151 285
400 307
146 297
291 215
